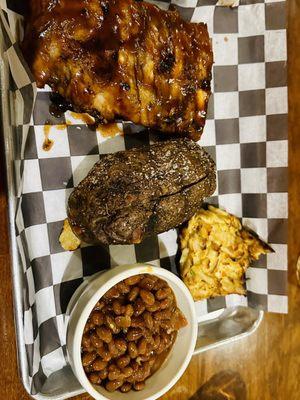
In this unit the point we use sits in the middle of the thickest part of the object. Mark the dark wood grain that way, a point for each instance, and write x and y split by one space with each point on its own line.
268 361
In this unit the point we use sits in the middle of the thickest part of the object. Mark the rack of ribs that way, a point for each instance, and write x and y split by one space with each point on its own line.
122 59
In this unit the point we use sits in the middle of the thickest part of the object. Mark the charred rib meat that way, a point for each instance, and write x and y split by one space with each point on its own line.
122 59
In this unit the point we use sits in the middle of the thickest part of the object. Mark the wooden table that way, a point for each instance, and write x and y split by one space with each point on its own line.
269 360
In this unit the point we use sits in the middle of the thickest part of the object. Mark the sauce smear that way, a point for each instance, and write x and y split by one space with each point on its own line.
60 127
48 143
86 118
58 105
109 130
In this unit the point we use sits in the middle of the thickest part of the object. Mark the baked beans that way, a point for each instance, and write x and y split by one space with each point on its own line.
130 332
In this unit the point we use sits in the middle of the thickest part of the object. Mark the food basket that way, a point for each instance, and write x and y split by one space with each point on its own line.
246 134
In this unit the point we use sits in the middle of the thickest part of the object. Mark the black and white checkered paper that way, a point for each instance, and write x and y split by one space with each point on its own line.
246 133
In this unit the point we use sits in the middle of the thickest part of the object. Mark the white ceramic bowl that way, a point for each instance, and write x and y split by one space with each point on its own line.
81 305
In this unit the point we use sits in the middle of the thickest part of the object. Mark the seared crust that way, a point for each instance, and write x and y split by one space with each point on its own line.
135 193
122 59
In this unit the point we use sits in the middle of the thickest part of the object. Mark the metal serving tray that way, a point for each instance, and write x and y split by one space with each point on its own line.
215 329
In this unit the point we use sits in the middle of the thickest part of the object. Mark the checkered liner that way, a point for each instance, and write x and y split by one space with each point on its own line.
246 133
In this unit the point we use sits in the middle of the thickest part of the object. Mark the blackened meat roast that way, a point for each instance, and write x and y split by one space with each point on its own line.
132 194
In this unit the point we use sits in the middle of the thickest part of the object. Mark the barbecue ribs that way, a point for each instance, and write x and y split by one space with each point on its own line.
122 59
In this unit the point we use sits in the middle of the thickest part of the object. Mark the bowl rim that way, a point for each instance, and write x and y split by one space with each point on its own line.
118 274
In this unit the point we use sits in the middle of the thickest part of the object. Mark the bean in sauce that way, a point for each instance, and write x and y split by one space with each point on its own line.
130 332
